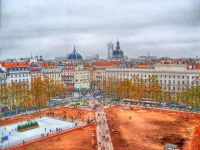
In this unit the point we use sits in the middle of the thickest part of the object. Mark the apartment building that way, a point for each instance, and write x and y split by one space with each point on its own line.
35 73
17 72
81 78
3 77
51 70
67 75
172 78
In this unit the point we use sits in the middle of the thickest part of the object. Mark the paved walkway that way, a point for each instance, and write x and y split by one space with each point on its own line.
103 135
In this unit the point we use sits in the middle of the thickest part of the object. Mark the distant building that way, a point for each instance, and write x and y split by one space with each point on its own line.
75 58
148 57
36 59
61 58
96 56
118 53
74 55
110 50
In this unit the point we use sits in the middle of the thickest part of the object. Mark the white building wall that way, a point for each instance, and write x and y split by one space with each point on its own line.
174 79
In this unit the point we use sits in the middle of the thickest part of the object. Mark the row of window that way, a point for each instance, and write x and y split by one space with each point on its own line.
19 75
2 81
36 75
19 80
173 88
54 75
178 82
18 69
49 67
69 74
2 75
81 72
158 76
50 71
82 80
183 77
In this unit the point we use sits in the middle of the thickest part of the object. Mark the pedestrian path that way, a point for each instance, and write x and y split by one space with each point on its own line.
103 135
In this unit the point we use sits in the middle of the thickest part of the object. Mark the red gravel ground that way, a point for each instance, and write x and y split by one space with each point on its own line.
69 112
76 140
151 130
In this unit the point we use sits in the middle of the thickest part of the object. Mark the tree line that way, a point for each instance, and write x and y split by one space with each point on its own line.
21 96
138 88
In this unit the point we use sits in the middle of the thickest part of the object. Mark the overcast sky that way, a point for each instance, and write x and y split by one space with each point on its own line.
52 27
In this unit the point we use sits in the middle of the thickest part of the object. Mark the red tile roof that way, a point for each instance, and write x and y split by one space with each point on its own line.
107 63
48 65
32 68
15 64
142 66
68 68
196 66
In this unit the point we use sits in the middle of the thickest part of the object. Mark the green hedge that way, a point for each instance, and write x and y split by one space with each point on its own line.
27 125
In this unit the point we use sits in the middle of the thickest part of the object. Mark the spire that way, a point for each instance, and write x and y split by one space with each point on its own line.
74 49
118 45
31 56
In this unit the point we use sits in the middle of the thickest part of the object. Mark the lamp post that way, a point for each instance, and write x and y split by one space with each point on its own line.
21 118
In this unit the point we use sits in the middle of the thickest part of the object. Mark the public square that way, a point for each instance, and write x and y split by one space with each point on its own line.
47 123
140 128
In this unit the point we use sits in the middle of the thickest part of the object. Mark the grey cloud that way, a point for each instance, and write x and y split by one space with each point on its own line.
51 28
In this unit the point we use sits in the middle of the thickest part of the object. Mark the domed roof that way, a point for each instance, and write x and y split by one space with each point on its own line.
118 52
74 55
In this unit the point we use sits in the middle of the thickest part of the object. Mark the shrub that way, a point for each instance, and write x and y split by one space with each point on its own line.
27 125
88 121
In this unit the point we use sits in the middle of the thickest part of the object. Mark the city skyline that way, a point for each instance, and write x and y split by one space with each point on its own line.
51 28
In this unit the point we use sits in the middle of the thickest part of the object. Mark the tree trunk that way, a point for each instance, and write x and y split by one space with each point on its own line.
10 110
16 111
0 111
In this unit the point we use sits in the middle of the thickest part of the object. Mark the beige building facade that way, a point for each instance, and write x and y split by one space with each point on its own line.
172 78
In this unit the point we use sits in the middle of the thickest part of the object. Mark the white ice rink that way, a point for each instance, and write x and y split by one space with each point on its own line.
45 122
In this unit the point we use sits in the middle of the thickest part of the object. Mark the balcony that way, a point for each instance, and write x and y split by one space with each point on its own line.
67 76
71 83
51 72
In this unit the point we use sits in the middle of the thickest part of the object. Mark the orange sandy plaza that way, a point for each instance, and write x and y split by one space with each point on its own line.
129 129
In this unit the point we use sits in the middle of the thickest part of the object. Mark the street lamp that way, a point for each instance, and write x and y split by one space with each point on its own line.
21 118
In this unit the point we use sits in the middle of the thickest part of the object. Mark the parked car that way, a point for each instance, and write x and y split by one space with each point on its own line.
195 109
162 105
181 107
173 106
